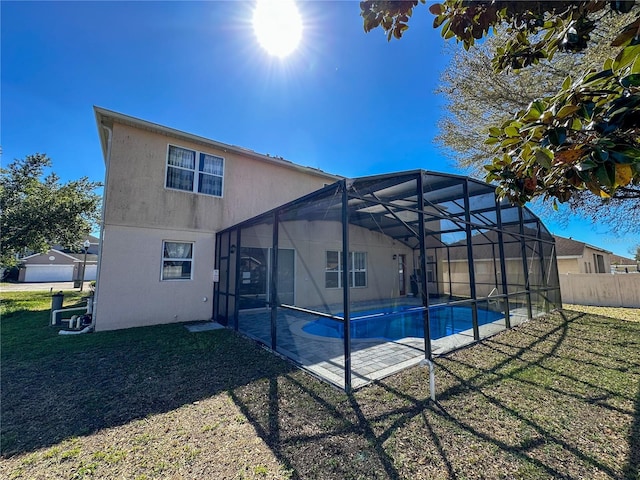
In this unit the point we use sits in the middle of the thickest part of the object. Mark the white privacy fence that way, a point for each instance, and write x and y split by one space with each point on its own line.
604 290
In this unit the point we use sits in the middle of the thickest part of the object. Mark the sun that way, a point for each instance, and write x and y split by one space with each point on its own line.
278 26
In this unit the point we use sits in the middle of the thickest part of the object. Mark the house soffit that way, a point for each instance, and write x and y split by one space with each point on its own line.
108 118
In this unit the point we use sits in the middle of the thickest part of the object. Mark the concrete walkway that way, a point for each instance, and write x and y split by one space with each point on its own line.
33 287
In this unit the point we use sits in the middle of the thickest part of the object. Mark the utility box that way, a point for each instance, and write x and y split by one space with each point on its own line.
56 304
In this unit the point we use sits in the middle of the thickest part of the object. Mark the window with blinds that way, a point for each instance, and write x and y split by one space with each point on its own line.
196 172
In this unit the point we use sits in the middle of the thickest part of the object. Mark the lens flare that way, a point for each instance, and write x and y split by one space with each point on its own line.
278 26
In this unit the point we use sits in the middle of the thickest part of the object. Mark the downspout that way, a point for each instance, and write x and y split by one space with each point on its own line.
104 203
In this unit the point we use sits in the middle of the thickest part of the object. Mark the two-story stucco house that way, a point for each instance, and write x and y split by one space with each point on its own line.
194 229
166 195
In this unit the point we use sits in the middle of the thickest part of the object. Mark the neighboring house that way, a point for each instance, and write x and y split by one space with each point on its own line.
94 245
579 257
486 258
623 265
56 266
166 195
580 266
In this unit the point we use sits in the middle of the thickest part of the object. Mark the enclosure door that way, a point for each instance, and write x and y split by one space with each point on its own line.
255 272
402 263
254 269
286 276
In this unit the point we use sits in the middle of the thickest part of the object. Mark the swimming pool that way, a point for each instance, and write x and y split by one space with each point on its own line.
402 322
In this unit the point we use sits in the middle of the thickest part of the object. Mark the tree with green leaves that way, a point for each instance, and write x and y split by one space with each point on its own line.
477 98
585 136
37 210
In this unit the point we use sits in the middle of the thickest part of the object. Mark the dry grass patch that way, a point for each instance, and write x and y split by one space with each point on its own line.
631 314
207 439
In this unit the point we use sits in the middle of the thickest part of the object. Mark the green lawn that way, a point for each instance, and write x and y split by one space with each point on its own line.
558 397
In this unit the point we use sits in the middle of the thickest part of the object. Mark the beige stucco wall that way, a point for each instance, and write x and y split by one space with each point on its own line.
606 290
577 264
570 265
458 270
137 195
130 290
588 257
140 213
311 241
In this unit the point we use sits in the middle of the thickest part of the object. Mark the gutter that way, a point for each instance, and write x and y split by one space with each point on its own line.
107 159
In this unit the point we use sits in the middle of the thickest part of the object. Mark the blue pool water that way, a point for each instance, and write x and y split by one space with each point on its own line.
402 322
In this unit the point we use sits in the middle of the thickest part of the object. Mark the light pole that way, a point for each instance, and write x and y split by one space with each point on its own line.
86 246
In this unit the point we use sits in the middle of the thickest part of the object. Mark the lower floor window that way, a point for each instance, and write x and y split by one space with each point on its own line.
357 269
177 260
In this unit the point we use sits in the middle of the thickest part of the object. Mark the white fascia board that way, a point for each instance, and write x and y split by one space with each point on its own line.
102 116
49 265
598 249
31 256
59 252
51 251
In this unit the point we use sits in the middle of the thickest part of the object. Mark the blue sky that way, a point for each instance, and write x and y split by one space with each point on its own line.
346 102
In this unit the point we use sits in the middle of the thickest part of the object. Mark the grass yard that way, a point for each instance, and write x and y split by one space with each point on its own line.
558 397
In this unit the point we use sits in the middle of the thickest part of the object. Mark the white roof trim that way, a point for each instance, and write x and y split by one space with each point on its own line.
103 114
598 249
59 265
33 255
51 250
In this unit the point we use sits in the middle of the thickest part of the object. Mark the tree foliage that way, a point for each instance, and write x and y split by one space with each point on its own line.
586 136
583 136
38 210
477 97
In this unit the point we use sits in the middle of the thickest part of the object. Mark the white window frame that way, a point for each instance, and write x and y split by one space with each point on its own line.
331 270
197 172
352 270
176 259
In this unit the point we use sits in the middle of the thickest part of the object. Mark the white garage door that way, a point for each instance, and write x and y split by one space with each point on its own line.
48 273
90 272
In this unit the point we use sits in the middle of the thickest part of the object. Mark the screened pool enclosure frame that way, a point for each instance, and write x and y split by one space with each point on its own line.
371 275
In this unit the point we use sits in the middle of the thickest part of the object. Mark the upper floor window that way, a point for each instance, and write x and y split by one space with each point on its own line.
194 171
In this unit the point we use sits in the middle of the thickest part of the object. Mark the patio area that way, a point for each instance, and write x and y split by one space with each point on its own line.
351 257
371 359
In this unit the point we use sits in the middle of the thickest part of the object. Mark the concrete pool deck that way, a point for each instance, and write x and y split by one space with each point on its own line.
371 359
